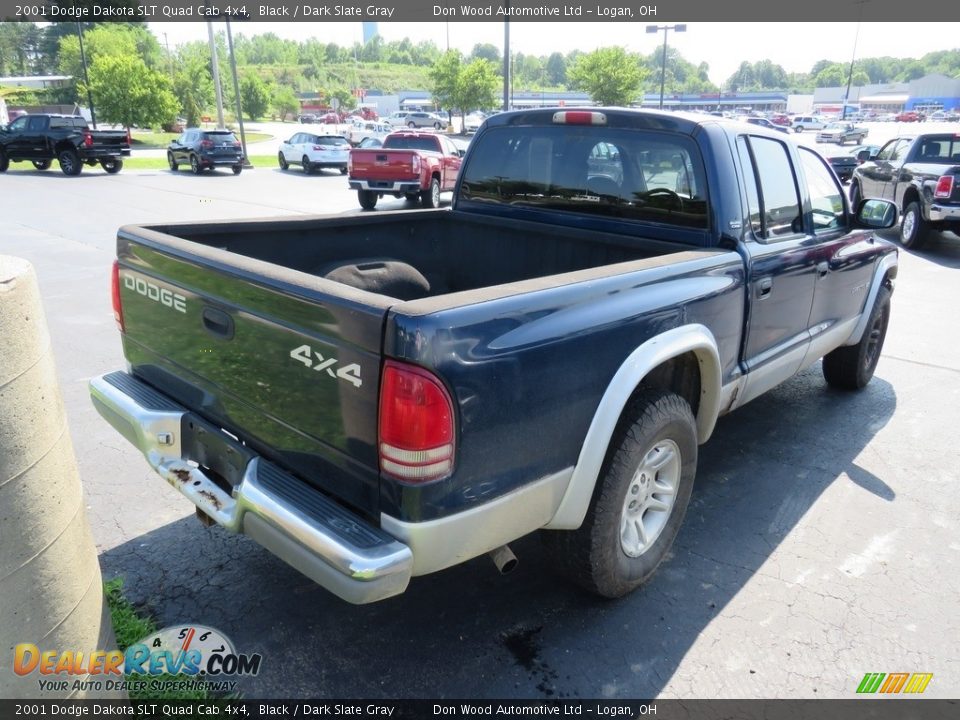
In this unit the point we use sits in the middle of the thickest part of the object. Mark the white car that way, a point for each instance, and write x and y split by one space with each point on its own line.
473 121
360 129
314 152
809 122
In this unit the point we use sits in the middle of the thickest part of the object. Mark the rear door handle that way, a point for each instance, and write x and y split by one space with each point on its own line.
823 268
764 287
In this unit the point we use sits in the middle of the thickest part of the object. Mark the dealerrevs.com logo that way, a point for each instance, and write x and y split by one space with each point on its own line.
894 683
181 657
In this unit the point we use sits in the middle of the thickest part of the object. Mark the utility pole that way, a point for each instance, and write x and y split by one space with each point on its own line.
856 37
215 65
663 64
506 58
86 77
236 91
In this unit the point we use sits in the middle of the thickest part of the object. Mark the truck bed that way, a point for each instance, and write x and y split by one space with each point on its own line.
454 252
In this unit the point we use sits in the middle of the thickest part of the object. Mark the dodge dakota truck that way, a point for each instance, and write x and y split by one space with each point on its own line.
41 139
411 164
381 396
921 175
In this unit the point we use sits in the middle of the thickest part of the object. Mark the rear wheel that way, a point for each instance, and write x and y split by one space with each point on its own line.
411 124
112 166
437 126
172 162
307 166
284 165
431 196
367 198
237 169
914 230
195 167
4 161
343 170
69 162
852 367
42 164
799 128
639 501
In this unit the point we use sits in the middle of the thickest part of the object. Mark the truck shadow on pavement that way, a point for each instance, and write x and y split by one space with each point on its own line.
469 633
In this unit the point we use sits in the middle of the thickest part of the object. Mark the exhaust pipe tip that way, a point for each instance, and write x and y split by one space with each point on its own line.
504 559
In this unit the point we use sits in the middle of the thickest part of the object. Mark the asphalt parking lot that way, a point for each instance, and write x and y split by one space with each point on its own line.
820 543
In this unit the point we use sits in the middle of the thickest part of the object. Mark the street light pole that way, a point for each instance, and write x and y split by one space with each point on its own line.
236 92
506 59
652 29
856 37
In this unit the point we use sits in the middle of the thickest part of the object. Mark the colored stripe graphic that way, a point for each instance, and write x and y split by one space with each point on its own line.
918 682
870 682
894 683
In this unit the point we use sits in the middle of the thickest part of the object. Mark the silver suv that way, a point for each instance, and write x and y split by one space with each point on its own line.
425 119
809 122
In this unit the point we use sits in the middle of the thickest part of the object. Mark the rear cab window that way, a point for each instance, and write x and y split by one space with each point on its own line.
642 175
411 142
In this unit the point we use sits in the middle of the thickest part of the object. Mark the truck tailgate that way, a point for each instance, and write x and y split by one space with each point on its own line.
111 139
284 361
383 164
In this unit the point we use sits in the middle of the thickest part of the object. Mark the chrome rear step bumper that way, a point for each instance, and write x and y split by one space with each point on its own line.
335 548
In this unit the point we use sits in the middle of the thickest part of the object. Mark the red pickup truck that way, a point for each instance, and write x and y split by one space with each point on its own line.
415 165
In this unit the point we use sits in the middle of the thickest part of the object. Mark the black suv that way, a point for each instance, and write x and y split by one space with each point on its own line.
203 149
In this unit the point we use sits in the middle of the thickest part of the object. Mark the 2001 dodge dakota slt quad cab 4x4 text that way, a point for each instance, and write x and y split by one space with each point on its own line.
381 396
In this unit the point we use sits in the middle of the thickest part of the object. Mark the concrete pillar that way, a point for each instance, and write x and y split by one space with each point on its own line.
51 592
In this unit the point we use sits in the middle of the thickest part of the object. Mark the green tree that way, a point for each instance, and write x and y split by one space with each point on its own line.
488 51
445 76
611 76
285 101
254 96
192 81
556 69
129 93
477 87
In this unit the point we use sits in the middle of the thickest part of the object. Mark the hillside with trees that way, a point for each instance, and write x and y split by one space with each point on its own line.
137 81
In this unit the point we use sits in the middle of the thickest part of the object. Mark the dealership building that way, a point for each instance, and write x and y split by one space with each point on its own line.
927 94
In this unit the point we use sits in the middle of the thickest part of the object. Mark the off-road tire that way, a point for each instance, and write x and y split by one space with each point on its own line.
594 555
112 166
851 367
69 162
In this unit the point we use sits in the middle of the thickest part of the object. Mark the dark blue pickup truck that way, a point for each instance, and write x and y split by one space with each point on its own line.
381 396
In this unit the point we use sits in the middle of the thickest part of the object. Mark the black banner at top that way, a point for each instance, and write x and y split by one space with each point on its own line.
639 11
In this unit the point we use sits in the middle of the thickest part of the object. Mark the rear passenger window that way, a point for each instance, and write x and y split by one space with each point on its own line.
779 202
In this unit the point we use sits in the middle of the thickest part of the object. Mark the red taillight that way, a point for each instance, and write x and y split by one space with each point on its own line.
87 138
944 187
416 425
416 164
115 296
350 163
320 147
206 143
237 144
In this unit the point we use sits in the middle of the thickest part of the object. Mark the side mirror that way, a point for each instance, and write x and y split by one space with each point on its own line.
876 214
